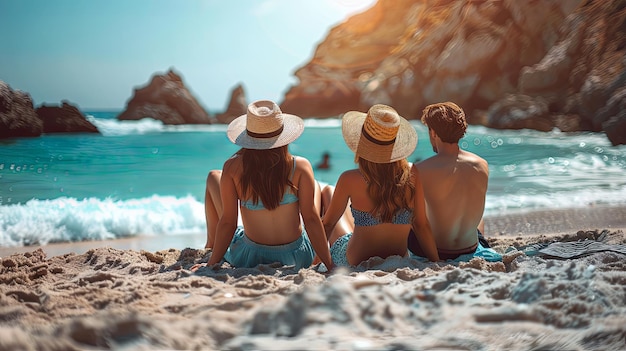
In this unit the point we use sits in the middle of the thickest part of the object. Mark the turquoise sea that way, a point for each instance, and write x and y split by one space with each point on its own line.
145 178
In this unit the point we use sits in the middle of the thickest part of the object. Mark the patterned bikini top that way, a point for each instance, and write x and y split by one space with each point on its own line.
365 219
288 197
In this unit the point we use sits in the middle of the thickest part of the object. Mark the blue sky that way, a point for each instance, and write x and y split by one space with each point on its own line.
95 52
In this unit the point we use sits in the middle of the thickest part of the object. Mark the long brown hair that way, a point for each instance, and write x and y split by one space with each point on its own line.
387 186
266 175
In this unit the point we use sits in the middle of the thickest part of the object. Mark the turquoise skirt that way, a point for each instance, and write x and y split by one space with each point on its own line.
244 252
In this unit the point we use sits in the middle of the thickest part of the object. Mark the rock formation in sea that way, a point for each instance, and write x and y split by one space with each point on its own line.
237 105
165 98
17 114
66 118
510 64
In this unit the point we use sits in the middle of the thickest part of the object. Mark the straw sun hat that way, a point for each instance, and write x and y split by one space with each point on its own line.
380 135
264 126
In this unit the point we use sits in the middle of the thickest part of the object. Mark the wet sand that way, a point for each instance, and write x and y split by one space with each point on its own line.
556 221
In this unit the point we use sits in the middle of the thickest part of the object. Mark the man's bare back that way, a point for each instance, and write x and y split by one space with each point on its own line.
454 183
454 190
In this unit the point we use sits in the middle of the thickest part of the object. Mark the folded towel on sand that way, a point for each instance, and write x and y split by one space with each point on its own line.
575 249
593 242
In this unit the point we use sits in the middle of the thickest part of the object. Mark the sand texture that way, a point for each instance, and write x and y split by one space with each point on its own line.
109 298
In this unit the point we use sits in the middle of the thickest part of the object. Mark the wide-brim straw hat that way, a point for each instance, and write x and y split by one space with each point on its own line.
264 126
380 135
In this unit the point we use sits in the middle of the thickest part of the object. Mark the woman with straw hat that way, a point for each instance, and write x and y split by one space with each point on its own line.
272 190
384 194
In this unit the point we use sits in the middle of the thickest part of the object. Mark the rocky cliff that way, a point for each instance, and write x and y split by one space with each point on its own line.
583 76
491 57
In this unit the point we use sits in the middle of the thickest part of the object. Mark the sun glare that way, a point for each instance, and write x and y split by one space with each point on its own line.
350 7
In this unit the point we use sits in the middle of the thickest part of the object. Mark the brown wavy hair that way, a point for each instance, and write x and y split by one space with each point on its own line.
388 185
266 175
447 120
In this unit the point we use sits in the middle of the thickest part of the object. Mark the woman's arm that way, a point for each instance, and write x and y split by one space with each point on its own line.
337 208
309 213
228 221
421 226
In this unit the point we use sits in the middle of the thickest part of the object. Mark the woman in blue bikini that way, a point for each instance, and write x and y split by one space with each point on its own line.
271 189
379 202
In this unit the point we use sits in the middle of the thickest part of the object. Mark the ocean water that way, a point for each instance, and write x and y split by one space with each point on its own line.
145 178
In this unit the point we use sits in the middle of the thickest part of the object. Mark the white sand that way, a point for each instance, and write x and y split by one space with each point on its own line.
108 298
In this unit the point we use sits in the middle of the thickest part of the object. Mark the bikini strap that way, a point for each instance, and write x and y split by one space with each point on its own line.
293 170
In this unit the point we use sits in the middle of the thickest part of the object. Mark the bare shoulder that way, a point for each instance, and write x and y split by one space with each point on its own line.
474 160
351 175
303 171
303 168
426 164
351 181
302 162
232 165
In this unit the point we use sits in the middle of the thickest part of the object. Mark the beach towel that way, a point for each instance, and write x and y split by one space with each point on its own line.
573 249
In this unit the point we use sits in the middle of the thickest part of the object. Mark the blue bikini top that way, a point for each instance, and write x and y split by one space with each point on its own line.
288 198
365 219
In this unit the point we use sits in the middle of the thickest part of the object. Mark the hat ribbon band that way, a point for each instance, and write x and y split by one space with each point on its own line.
265 135
376 141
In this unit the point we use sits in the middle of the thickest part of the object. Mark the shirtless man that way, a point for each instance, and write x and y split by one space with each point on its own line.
454 183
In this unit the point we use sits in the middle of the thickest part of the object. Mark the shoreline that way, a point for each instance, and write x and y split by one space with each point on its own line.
556 221
527 223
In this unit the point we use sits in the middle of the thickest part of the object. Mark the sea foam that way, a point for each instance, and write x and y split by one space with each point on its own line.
39 222
114 127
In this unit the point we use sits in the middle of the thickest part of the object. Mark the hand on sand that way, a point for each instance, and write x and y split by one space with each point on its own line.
323 269
197 266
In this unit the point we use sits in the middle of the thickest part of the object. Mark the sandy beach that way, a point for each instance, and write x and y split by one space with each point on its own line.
140 294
